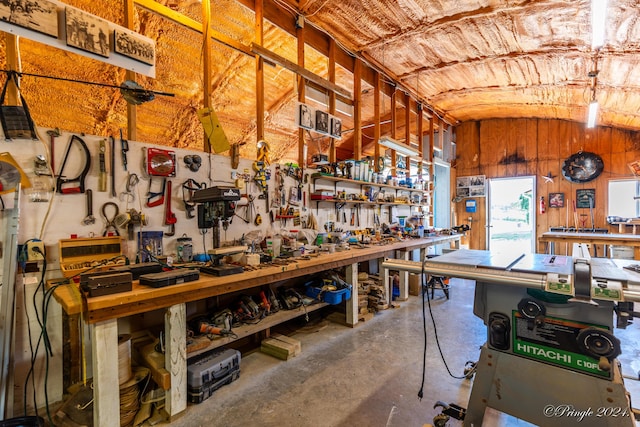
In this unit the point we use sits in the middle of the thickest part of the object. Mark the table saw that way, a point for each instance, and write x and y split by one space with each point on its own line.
550 354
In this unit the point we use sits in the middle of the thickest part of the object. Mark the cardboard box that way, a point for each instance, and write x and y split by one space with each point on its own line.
415 283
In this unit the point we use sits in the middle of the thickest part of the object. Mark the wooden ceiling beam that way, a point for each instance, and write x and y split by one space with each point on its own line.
259 36
284 19
132 115
185 21
332 95
302 147
376 120
357 111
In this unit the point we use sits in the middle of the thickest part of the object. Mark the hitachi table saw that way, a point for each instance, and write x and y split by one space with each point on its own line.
550 354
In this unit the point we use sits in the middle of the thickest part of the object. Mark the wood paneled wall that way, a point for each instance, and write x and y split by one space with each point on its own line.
523 147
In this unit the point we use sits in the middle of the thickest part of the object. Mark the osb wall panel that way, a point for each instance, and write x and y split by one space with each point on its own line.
530 147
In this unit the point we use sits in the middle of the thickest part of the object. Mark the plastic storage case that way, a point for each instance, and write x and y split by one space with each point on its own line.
330 297
209 371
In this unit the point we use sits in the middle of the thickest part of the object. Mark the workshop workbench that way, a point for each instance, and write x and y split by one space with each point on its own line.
102 313
547 238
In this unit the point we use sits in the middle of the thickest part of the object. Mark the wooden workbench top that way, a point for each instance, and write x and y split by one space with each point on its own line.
586 237
143 298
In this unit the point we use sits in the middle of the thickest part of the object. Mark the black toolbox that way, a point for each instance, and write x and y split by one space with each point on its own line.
168 278
209 371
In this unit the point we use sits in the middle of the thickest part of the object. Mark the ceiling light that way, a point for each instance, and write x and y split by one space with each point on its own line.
598 19
399 147
593 112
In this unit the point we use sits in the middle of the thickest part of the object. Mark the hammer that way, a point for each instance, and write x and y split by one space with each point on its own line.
53 134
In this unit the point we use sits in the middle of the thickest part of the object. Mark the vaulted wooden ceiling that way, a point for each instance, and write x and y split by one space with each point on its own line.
463 60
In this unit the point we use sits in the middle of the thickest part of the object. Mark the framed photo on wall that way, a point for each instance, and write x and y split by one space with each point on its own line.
556 200
322 122
471 186
336 127
305 119
586 198
87 32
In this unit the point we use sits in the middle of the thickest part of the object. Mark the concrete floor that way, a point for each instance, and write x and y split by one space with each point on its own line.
368 375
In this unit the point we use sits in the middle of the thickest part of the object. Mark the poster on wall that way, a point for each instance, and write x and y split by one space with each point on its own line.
556 200
471 186
87 32
586 198
36 15
635 167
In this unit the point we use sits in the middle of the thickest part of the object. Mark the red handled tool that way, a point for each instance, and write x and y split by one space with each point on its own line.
169 217
156 198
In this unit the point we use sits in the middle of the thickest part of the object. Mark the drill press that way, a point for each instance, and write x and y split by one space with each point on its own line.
216 207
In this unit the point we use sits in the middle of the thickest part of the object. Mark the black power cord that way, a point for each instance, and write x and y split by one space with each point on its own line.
42 314
425 291
41 317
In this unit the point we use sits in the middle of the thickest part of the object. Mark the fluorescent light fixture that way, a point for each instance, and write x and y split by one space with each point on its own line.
593 112
398 147
598 19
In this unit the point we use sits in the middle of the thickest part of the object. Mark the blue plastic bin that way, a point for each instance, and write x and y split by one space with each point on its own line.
330 297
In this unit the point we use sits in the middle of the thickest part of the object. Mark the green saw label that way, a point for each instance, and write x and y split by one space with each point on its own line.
554 343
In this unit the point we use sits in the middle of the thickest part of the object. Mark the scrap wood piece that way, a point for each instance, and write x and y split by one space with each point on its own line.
277 348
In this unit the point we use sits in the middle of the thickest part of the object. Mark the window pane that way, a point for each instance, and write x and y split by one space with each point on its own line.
621 198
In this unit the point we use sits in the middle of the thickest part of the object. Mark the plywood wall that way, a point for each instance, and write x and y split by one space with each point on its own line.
526 147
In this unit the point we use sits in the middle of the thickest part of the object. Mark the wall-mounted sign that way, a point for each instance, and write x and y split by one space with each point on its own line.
87 32
56 24
37 15
470 206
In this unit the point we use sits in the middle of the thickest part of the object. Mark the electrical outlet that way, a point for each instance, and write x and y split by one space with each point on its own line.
33 255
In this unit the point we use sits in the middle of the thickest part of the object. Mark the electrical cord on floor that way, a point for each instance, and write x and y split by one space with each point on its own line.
424 331
425 291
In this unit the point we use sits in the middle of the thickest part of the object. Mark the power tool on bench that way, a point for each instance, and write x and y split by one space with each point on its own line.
217 205
203 326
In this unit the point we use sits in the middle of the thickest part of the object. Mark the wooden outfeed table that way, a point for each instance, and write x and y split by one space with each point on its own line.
549 237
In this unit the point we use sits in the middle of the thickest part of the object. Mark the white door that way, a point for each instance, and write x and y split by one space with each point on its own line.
511 214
